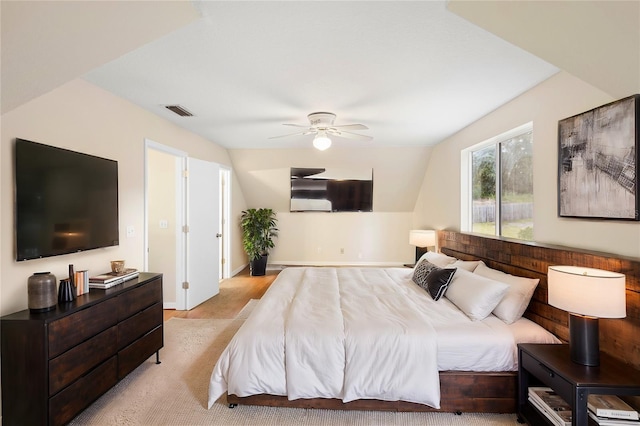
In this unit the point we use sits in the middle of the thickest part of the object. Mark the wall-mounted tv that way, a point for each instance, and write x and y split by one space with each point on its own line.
331 190
65 201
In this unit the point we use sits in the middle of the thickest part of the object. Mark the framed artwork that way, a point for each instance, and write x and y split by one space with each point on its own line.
598 162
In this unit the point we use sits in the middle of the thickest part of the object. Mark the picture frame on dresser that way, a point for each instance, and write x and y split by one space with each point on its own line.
598 162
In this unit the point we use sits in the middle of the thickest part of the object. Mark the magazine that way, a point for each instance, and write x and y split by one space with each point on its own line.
553 406
611 406
606 421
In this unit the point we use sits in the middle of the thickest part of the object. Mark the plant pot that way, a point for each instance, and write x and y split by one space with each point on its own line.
258 267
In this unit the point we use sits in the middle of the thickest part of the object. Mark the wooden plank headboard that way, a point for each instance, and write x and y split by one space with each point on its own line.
618 337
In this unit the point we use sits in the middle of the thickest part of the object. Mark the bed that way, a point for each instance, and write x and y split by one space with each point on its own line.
366 309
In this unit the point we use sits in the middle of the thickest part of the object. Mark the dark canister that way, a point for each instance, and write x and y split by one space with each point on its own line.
66 292
41 291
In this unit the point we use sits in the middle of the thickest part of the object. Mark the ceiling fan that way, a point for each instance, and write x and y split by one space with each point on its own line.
321 125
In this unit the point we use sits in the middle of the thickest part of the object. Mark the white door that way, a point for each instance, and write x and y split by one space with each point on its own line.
202 255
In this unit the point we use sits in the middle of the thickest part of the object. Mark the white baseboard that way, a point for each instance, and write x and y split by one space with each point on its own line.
169 305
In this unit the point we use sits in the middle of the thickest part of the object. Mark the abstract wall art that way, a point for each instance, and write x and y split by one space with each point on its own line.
598 162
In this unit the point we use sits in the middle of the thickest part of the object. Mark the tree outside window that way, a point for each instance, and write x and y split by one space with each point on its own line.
502 187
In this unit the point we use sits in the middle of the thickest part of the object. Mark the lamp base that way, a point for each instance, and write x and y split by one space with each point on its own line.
584 340
422 250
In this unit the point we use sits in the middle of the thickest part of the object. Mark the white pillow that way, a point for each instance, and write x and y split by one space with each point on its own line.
439 259
515 302
475 295
469 265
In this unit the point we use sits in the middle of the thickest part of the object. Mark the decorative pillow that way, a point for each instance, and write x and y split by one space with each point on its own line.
421 271
439 259
475 295
438 281
469 265
515 302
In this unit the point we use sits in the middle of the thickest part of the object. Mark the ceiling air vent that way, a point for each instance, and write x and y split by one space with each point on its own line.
179 110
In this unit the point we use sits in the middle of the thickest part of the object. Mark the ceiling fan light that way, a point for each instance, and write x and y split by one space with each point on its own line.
321 142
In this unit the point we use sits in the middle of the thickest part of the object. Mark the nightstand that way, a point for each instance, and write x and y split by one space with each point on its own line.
552 366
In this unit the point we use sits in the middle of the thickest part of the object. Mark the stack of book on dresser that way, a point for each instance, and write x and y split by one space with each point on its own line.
551 405
111 279
609 410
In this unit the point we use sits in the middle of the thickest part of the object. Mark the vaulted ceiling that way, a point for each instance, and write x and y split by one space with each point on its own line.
413 72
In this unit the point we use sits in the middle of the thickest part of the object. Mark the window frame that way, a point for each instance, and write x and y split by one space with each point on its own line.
466 176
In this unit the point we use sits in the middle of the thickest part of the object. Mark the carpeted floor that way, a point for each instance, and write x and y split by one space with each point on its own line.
175 392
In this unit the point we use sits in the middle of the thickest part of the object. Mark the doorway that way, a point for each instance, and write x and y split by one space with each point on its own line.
182 206
164 216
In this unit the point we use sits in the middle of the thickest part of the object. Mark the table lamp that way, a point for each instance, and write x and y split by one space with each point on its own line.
587 294
422 238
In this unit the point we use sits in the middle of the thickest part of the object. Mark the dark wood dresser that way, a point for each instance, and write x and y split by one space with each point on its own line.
57 363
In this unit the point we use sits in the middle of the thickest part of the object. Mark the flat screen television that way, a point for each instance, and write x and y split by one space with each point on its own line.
331 190
65 201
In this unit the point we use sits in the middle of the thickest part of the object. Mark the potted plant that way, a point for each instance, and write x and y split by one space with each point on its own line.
258 230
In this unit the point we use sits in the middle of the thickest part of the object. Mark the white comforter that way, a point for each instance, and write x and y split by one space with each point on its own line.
361 333
346 333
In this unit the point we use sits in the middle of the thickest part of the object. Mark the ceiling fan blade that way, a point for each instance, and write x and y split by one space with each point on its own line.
292 134
350 135
352 127
296 125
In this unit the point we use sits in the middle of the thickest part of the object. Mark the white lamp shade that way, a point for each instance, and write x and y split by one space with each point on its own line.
422 238
321 142
587 291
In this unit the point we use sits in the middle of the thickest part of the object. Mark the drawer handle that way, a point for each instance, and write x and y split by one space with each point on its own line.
548 370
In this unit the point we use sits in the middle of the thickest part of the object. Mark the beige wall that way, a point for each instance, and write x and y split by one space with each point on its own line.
343 239
397 172
559 97
381 236
82 117
238 203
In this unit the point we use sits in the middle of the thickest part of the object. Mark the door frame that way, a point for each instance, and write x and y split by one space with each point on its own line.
181 161
225 221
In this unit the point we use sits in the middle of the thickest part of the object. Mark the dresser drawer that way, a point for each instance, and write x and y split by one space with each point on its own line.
56 363
547 376
139 298
136 353
69 366
139 324
67 404
73 329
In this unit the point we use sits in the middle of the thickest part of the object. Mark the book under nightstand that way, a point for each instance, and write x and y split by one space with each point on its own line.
551 366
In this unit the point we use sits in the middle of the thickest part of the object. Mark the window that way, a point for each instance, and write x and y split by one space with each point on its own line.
497 193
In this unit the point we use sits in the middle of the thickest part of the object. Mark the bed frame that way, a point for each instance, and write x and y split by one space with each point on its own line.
497 392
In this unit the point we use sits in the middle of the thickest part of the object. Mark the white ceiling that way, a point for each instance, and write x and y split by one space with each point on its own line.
413 72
